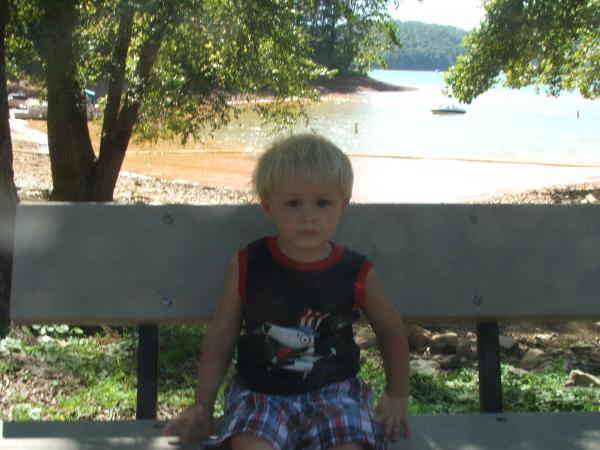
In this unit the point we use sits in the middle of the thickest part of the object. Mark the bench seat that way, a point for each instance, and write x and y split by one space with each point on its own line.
516 431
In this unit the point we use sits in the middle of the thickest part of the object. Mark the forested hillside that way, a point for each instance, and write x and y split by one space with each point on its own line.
426 46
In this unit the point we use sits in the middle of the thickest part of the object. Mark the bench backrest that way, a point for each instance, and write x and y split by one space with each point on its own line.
120 264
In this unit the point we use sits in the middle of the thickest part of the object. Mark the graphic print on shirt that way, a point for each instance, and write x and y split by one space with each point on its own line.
296 348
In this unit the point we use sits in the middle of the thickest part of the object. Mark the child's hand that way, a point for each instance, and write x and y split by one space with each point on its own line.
192 425
392 414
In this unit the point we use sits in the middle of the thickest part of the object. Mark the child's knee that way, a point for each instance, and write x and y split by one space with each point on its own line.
351 446
248 441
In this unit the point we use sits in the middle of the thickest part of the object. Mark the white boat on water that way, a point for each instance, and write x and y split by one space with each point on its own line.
448 109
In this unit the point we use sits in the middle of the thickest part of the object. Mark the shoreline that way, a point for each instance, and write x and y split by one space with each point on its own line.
353 84
220 171
389 180
475 160
33 180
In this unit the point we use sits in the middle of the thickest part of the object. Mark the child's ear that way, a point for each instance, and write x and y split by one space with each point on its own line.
345 204
266 207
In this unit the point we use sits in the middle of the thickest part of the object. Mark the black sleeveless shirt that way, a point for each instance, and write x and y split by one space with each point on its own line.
297 334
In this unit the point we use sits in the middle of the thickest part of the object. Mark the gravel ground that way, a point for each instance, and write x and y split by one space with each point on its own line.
571 193
34 182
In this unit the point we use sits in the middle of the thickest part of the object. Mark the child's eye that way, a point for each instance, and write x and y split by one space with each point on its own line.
323 202
292 203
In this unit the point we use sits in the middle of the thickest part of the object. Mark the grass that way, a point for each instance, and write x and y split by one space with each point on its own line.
58 373
457 391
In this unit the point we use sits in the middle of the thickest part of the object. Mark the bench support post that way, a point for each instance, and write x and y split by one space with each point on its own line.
147 377
488 350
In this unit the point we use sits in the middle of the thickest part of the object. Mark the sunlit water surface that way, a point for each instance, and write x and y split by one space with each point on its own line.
500 125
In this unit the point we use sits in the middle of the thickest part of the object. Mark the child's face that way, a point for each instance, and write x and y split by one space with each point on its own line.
306 214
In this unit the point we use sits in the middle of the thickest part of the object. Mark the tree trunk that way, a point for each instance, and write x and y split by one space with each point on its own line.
8 191
71 152
104 175
76 173
102 182
118 125
63 159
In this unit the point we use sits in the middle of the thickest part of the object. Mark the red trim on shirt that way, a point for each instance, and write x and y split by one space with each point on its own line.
359 284
242 272
335 255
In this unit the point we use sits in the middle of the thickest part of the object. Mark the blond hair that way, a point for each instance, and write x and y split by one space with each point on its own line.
307 156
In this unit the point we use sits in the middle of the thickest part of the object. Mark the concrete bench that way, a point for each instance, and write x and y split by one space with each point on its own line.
150 265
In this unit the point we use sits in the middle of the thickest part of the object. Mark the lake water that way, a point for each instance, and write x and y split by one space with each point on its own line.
429 158
500 125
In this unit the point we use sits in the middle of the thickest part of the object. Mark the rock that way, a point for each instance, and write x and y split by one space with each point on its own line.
450 362
547 364
519 373
569 365
424 366
581 347
589 199
464 349
508 344
444 343
543 339
365 338
418 336
532 358
582 379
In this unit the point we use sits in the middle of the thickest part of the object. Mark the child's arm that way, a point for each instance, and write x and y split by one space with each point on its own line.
195 422
392 410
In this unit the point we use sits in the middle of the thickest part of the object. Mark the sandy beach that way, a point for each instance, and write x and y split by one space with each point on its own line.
398 180
380 179
377 179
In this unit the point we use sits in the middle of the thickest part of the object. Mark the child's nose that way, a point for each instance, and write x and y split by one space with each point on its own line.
308 213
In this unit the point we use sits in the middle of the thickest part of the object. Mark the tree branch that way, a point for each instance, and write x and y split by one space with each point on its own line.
117 141
117 74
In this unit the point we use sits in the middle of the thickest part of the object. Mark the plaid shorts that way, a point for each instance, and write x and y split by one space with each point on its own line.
338 413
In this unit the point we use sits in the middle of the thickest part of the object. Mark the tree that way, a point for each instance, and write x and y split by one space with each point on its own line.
541 42
426 46
349 36
8 191
173 68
